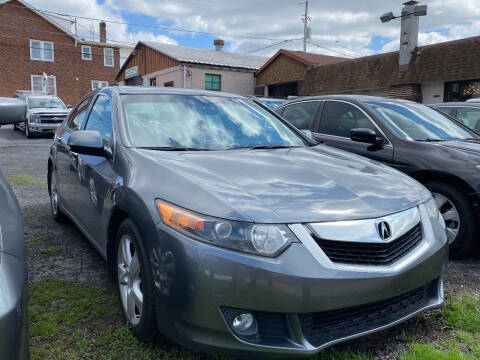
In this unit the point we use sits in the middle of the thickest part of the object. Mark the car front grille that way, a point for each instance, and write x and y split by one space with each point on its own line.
51 118
323 327
357 253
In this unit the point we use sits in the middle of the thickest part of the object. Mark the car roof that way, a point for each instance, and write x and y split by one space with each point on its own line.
458 103
353 98
153 90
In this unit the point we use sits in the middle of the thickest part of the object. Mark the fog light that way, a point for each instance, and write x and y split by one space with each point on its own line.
243 322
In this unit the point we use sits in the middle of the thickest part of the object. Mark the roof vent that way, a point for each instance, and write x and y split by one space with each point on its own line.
219 44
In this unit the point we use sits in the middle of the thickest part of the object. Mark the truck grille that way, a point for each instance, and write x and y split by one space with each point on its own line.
323 327
51 118
356 253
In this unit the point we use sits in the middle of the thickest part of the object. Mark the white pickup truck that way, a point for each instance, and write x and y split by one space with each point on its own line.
45 113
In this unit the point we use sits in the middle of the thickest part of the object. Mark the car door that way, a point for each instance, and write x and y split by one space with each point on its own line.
66 162
338 118
469 116
302 114
95 176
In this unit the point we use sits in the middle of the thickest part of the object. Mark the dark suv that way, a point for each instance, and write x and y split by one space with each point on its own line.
436 150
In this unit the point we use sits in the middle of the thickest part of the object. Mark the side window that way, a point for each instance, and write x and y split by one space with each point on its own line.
447 110
100 119
301 115
469 117
339 118
76 121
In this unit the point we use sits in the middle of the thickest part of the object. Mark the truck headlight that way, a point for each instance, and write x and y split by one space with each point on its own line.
259 239
32 118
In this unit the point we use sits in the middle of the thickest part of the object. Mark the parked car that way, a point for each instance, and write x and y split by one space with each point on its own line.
231 232
45 113
14 340
467 113
435 150
271 103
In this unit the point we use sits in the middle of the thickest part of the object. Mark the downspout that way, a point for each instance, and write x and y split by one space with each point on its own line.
184 77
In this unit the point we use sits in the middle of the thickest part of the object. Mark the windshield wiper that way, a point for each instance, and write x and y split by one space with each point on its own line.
431 140
173 148
254 147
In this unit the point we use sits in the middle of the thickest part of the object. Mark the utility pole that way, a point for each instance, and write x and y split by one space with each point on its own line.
305 20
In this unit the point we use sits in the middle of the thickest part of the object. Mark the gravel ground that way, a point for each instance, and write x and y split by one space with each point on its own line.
76 260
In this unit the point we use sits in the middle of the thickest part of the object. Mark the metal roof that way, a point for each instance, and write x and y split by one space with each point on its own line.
208 57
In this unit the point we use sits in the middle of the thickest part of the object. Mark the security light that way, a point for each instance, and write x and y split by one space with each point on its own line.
420 10
387 17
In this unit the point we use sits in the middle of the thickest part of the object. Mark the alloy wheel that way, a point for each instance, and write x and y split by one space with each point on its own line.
129 279
54 193
450 214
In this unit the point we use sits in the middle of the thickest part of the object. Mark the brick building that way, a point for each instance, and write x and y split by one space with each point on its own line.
436 73
283 73
155 64
39 53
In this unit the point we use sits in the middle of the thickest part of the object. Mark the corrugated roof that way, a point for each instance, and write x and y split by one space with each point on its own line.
208 57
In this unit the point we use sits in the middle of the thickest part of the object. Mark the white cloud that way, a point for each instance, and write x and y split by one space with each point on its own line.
346 26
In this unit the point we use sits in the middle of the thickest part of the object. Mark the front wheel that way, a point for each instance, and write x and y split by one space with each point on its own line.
56 212
459 216
135 282
28 134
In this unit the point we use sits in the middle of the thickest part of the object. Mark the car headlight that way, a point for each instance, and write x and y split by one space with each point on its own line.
259 239
477 166
32 118
434 213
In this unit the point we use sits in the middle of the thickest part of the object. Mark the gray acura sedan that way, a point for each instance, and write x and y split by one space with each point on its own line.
229 231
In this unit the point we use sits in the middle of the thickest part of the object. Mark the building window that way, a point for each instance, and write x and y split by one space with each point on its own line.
86 52
96 84
41 50
44 84
213 82
108 57
168 84
153 82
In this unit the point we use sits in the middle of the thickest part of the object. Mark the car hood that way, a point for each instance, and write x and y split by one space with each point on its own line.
281 185
471 146
48 110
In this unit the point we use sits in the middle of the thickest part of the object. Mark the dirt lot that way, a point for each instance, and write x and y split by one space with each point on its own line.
75 312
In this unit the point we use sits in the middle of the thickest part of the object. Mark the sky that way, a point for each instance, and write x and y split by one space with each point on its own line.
349 28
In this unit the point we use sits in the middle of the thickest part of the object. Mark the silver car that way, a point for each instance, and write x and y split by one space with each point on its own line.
231 232
13 271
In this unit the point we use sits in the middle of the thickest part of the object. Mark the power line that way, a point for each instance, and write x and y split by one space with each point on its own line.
166 28
330 49
269 46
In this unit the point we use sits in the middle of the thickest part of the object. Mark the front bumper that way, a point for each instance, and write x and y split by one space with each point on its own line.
292 296
14 340
43 128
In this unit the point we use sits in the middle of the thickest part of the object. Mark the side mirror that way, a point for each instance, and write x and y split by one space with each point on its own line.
12 111
308 134
365 135
87 142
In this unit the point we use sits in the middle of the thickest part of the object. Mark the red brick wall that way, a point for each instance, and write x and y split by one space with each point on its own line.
18 25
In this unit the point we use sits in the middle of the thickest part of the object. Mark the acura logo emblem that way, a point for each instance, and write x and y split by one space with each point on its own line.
384 230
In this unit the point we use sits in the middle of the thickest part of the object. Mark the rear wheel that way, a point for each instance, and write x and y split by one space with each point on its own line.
135 282
459 216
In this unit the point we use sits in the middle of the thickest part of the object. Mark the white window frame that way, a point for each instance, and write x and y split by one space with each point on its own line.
42 51
32 76
89 57
105 56
100 82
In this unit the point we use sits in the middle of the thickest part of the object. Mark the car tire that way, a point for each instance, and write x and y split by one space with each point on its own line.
15 128
133 279
450 199
58 215
28 134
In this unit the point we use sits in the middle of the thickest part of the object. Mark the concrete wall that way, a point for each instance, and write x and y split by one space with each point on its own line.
433 92
234 81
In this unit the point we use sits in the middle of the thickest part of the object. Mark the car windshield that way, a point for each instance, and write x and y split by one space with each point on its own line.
272 103
418 122
45 102
203 122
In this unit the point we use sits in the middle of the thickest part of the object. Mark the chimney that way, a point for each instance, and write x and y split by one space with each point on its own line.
103 32
409 32
218 44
